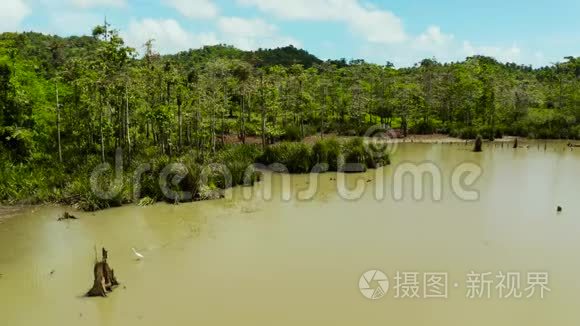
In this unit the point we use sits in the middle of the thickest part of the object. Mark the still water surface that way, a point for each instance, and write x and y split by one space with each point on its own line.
257 262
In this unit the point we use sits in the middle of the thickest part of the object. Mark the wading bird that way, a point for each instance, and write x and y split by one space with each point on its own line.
138 255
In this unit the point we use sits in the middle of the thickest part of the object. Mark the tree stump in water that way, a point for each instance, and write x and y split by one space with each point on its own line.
105 280
478 144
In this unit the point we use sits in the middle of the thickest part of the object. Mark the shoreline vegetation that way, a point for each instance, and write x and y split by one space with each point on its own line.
233 165
294 157
68 106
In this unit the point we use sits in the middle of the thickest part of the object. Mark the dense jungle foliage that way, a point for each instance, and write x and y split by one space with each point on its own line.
67 105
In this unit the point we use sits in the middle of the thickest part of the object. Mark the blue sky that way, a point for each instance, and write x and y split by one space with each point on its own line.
529 32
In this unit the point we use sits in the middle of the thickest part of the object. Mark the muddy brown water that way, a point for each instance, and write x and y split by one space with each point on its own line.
298 262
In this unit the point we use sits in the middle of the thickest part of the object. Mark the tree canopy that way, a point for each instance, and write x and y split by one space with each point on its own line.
82 97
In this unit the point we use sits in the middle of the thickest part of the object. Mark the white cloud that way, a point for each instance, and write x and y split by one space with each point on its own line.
12 12
511 54
195 8
434 39
169 36
250 34
431 43
246 27
539 57
375 25
299 9
443 47
383 32
98 3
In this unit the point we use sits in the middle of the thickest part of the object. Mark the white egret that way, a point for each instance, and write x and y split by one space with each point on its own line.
137 254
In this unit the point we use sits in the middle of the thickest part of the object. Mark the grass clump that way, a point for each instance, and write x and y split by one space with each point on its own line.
296 157
357 152
292 133
152 177
327 151
355 155
300 158
237 159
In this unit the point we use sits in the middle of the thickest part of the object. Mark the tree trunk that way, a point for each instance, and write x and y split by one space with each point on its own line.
223 116
250 108
263 107
213 128
243 122
58 126
188 132
323 112
101 130
179 122
127 135
197 127
104 278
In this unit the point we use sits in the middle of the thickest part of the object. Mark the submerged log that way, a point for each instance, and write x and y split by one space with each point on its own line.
67 216
105 280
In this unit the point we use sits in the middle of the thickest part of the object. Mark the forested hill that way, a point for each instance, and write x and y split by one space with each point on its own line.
286 56
49 52
52 51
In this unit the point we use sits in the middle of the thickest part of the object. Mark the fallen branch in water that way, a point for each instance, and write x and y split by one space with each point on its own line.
67 216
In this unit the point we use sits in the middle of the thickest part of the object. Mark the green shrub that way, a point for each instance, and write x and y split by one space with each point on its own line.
486 132
379 159
423 128
349 133
238 158
575 132
490 133
18 141
149 181
80 193
292 133
327 151
363 129
295 157
311 130
190 182
354 151
519 129
467 133
357 152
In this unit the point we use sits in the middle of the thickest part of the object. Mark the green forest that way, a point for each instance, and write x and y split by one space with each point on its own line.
67 105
